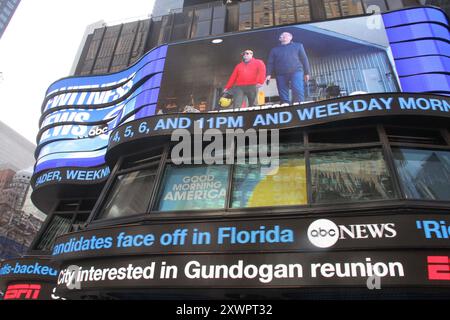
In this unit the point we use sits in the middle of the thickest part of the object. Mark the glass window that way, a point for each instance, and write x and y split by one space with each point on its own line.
284 12
414 135
395 4
79 221
194 188
220 12
245 22
270 185
262 13
87 204
3 17
302 10
124 46
106 50
9 4
245 15
425 174
153 38
218 26
379 3
141 38
283 4
81 218
202 28
343 137
130 194
332 8
351 7
218 23
351 175
150 158
291 143
411 3
66 206
286 143
94 45
202 22
232 18
182 25
166 28
58 226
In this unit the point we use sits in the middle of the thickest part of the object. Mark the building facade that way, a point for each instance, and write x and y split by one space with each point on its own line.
16 152
17 227
18 223
7 9
161 8
351 176
6 176
113 48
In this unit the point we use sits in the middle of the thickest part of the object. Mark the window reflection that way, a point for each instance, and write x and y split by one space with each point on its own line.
425 174
395 4
302 10
351 7
338 8
130 194
181 25
58 226
263 13
202 22
332 8
284 12
245 15
351 175
343 137
379 3
218 23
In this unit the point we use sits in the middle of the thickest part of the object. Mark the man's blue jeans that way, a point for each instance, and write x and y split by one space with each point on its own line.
295 82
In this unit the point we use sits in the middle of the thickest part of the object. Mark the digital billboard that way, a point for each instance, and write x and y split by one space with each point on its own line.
339 251
78 113
190 188
291 64
297 65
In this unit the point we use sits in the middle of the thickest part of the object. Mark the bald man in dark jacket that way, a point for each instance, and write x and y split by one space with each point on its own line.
290 65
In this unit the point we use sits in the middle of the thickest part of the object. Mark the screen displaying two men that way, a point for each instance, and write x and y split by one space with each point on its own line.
292 64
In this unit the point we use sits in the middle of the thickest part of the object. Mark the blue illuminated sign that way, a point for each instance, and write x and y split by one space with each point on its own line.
27 269
419 42
80 112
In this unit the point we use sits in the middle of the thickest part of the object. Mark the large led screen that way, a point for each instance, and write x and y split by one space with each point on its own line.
292 64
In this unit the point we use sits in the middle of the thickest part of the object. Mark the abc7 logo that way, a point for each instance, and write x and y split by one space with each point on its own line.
323 233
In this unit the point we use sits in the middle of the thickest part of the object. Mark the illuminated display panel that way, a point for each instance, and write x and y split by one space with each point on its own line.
79 113
194 188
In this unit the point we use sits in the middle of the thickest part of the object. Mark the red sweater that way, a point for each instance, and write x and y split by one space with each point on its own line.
246 74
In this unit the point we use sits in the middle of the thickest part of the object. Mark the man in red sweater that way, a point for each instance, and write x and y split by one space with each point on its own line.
247 77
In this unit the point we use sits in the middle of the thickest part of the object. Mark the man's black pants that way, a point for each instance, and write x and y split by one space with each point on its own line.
240 92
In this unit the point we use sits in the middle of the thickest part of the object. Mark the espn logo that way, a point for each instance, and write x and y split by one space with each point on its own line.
439 268
22 291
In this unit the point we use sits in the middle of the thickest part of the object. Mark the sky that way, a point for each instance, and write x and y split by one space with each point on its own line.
39 47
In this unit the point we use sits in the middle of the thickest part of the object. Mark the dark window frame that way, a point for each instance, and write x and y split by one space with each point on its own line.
74 213
118 170
397 173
